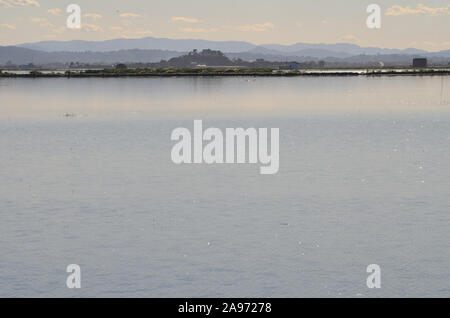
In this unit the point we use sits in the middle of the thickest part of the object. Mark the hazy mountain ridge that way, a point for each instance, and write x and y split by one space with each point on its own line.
347 48
186 45
19 55
151 50
148 43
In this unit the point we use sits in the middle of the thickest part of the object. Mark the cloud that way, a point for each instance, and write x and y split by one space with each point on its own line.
117 28
54 11
126 32
256 27
130 15
42 22
184 19
19 3
398 10
126 23
59 30
197 30
47 25
349 38
94 16
143 32
129 34
38 20
91 27
9 26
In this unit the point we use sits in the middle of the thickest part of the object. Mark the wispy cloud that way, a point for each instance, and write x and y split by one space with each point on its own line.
94 16
130 15
131 34
349 38
141 33
42 22
117 28
125 31
38 20
256 27
19 3
184 19
8 26
47 25
197 30
55 11
91 27
59 30
398 10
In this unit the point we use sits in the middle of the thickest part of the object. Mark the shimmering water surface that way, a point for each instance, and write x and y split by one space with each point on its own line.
86 178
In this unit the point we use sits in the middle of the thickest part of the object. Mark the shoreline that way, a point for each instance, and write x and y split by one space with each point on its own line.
106 73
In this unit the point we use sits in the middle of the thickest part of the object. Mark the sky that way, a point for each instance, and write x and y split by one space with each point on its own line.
421 24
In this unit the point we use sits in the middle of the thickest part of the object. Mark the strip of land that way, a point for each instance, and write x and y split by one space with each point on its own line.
212 72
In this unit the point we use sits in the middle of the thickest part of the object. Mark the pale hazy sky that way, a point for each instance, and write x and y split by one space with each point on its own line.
405 23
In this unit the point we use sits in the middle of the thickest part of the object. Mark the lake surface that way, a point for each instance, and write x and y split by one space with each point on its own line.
87 178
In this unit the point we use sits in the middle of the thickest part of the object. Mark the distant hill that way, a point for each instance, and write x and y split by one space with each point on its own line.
313 52
147 43
445 53
20 55
320 50
342 48
194 58
42 53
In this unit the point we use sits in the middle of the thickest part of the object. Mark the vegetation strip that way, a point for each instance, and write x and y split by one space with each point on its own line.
210 72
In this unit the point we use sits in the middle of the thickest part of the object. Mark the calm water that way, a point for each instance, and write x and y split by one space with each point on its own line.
86 178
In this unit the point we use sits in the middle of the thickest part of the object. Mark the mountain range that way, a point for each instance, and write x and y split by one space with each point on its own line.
150 50
184 45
